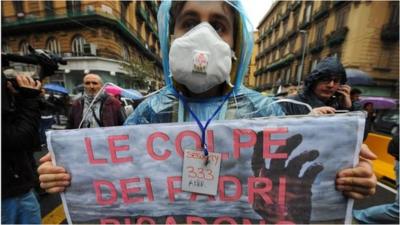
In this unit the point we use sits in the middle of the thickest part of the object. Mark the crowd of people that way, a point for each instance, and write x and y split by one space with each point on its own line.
207 38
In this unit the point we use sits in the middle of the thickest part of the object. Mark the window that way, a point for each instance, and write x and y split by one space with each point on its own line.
394 15
287 78
125 52
53 46
73 6
124 7
77 45
319 35
384 58
48 8
19 8
295 20
282 51
341 17
292 44
285 24
307 12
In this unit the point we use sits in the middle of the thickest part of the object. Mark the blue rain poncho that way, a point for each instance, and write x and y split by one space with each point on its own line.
165 106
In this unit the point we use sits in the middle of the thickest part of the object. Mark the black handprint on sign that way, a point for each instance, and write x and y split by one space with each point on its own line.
297 205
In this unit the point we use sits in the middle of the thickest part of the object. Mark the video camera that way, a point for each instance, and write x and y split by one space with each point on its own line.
47 61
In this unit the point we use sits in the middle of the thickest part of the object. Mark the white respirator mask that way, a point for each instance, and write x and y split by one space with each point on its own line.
200 59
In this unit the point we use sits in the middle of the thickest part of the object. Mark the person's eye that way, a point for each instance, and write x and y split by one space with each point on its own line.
189 24
219 27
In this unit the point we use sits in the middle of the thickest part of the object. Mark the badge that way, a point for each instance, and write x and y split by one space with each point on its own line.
200 62
198 175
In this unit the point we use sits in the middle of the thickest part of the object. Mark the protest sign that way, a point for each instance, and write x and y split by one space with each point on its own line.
273 170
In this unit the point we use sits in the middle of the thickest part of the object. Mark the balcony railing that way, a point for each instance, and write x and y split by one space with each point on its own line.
280 63
142 13
296 5
336 37
390 32
323 12
291 33
316 46
304 25
339 3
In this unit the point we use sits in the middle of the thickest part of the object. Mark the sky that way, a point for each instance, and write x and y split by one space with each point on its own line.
256 10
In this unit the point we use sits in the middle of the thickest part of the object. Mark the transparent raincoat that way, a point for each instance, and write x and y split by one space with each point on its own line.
165 106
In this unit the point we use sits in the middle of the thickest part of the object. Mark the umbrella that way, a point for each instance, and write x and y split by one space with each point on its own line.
55 88
127 93
113 90
132 94
380 102
358 77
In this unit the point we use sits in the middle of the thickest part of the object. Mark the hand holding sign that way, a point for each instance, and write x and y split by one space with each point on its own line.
292 206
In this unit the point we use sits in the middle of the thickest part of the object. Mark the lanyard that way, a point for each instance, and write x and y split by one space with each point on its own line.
203 128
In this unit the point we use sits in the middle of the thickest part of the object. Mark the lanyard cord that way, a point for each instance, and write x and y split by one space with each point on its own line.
202 128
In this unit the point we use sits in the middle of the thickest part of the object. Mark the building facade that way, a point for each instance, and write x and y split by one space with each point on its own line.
116 39
249 79
296 35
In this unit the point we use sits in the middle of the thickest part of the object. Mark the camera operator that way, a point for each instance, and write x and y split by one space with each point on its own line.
20 137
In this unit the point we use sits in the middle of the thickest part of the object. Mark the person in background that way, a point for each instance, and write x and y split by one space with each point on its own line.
46 117
20 116
325 90
369 108
386 213
292 90
355 99
105 111
204 67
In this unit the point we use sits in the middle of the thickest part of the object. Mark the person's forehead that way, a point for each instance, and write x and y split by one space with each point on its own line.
91 78
207 9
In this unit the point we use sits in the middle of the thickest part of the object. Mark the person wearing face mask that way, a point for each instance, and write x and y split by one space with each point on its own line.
104 112
324 90
204 65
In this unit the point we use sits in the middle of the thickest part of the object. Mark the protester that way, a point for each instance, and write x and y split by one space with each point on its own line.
206 81
20 137
105 111
386 213
324 90
355 99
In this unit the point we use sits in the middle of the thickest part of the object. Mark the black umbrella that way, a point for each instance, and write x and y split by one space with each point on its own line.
358 77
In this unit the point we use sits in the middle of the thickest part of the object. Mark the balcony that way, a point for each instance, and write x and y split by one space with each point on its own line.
152 6
336 37
323 12
286 15
280 63
142 13
337 3
296 5
276 24
258 72
304 25
316 46
390 32
291 34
